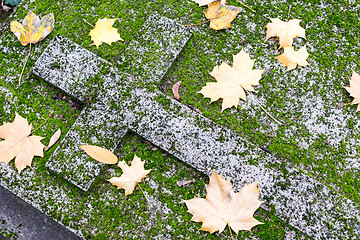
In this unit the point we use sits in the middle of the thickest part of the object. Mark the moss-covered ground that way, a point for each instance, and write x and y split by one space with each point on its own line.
320 136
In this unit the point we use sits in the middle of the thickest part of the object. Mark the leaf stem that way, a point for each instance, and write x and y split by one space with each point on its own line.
88 23
278 122
145 195
247 6
42 123
288 13
22 71
195 24
232 238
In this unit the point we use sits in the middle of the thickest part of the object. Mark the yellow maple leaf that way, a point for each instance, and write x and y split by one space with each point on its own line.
292 58
223 206
354 89
104 32
206 2
220 16
286 31
19 144
131 176
231 81
33 30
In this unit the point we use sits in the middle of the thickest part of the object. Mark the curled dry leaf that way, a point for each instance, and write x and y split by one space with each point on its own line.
223 206
131 176
104 32
19 144
292 58
185 183
54 138
206 2
286 31
100 154
354 89
175 90
221 16
231 81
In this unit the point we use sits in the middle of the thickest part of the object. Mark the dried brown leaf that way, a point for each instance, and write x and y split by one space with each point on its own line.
175 90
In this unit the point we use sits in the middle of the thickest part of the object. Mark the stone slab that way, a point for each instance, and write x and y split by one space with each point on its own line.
74 70
298 199
28 222
155 50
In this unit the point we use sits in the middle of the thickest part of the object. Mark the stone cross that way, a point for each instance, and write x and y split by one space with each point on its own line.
117 102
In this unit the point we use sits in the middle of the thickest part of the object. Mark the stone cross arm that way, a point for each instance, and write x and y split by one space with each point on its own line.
121 101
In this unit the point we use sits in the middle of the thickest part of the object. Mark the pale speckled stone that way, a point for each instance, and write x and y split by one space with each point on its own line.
298 199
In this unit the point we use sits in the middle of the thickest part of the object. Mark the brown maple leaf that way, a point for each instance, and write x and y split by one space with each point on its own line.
19 144
354 89
131 176
231 81
220 16
292 58
223 206
286 31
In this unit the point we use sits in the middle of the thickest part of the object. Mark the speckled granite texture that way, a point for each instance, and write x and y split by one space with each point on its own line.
119 103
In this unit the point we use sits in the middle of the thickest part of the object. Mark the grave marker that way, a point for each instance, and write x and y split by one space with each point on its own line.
119 103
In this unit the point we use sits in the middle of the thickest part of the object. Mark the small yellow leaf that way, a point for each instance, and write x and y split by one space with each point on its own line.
286 31
99 154
292 58
220 15
104 32
54 138
131 175
33 29
354 89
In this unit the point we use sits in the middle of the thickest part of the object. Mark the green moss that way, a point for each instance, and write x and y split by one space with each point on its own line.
206 49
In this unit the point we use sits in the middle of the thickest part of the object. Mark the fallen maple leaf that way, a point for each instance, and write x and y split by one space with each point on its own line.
19 144
292 58
100 154
32 30
231 81
286 31
223 206
206 2
104 32
131 175
220 16
354 89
